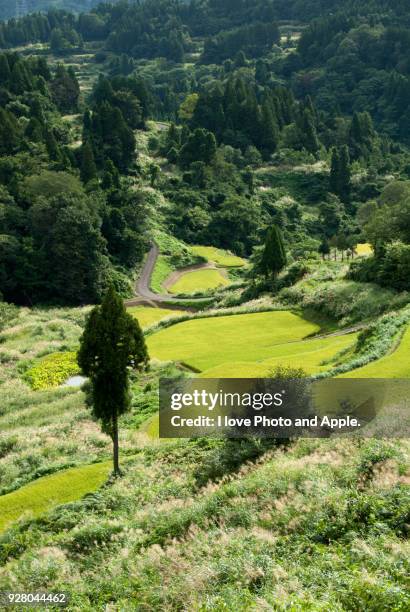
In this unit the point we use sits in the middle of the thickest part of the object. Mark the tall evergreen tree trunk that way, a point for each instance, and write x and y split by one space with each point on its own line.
116 453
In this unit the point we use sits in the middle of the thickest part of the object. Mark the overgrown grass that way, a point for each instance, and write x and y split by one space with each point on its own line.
206 524
320 525
348 302
8 312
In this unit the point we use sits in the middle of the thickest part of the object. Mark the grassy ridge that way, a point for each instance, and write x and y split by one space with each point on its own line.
161 271
395 365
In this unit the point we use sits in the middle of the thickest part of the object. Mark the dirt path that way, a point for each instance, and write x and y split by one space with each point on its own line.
143 292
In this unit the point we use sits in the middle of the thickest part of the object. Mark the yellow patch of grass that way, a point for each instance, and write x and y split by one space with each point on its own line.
53 370
364 249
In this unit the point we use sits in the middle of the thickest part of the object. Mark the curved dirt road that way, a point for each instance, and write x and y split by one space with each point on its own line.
143 292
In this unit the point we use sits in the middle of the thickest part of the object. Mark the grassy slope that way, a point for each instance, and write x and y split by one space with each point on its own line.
199 280
294 528
219 256
160 273
326 291
174 254
308 528
395 365
206 343
44 431
43 494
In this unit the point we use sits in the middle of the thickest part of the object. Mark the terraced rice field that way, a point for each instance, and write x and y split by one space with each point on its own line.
148 316
220 257
198 280
313 356
43 494
206 343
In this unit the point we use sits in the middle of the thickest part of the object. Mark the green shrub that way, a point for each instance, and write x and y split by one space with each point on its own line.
7 445
345 301
228 456
294 273
373 342
87 537
8 312
122 283
374 453
391 268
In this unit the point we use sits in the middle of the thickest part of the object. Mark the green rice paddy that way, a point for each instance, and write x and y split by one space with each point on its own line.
198 280
219 256
148 316
45 493
313 356
206 343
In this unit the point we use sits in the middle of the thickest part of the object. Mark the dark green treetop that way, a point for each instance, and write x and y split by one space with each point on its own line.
112 344
274 255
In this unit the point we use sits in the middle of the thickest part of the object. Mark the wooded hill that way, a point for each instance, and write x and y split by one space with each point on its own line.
244 92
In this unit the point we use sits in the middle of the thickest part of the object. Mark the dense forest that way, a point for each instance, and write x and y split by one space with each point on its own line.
10 9
238 92
47 212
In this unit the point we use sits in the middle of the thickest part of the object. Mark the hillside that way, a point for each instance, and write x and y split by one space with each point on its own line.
239 173
10 9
